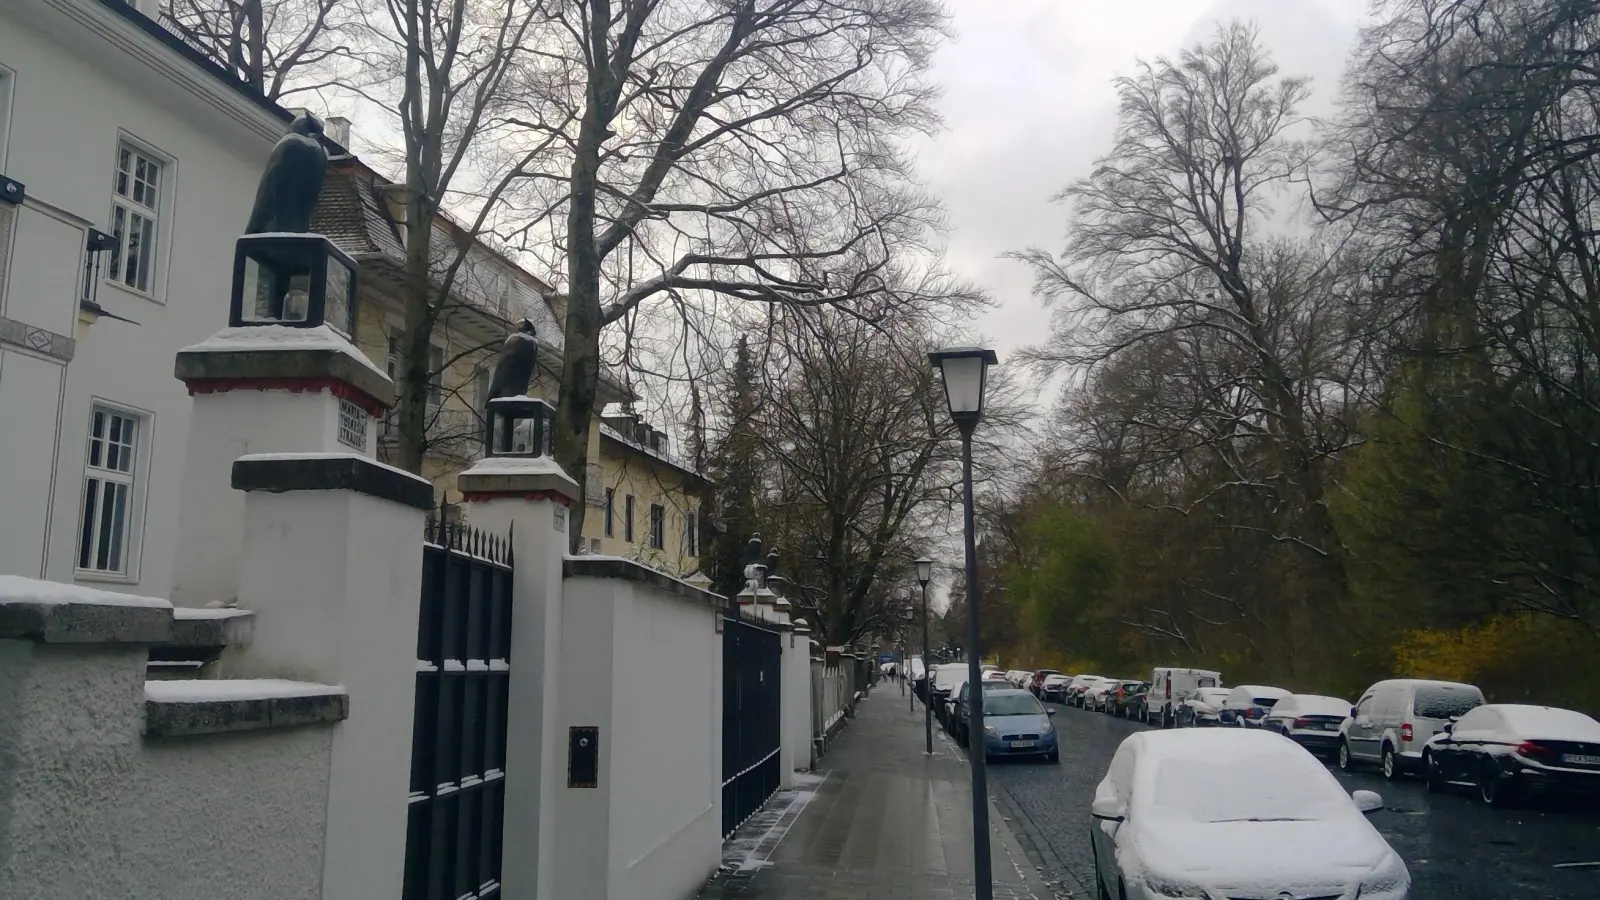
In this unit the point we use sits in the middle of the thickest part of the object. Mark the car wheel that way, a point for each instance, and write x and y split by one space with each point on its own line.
1346 763
1432 777
1054 756
1391 763
1493 788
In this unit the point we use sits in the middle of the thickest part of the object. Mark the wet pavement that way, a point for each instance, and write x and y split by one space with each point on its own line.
880 820
1456 848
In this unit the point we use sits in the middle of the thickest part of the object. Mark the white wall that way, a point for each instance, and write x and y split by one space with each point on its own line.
75 92
89 808
644 665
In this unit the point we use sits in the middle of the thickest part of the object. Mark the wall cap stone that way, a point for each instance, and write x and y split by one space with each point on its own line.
285 472
624 569
217 706
517 476
276 352
55 613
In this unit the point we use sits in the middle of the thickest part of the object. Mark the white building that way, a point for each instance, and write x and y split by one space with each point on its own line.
108 123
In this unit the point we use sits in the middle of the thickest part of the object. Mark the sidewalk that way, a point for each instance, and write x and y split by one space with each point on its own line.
881 819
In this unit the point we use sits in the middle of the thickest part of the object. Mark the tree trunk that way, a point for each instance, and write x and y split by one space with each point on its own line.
580 370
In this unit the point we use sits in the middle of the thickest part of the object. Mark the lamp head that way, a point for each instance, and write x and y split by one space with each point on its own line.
965 371
924 571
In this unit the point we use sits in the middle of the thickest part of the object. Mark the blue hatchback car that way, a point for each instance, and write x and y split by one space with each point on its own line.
1016 724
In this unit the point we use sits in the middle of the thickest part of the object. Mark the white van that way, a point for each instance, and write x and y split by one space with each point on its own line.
1394 719
1168 687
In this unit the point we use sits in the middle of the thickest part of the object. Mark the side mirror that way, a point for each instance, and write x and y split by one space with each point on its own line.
1050 711
1352 712
1107 809
1449 727
1367 801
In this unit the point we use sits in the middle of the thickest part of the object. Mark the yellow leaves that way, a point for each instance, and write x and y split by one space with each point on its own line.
1515 658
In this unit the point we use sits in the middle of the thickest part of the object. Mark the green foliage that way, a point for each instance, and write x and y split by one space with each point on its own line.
1061 585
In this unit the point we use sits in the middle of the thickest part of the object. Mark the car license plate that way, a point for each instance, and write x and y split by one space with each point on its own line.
1580 759
1023 743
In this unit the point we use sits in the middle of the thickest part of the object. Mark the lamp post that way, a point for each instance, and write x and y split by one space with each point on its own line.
964 371
924 575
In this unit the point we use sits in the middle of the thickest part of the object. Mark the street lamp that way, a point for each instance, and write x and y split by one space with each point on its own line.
965 370
924 575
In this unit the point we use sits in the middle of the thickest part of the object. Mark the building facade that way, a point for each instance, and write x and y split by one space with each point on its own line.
130 165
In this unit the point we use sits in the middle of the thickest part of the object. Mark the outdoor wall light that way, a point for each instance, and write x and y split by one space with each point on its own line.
298 280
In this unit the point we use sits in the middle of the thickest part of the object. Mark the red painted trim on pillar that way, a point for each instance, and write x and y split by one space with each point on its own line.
552 496
311 383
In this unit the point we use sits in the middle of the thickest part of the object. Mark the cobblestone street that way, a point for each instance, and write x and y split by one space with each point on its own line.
880 819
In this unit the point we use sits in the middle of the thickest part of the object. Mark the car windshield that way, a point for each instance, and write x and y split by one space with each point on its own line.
1012 705
1438 702
1211 695
1253 787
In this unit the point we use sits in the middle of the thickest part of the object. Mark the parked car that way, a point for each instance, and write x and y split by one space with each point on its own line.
947 677
1394 719
1018 678
1510 752
1310 720
1200 708
1130 699
1182 814
1080 683
1015 724
962 713
995 675
1168 687
1054 689
1037 681
1098 694
1248 704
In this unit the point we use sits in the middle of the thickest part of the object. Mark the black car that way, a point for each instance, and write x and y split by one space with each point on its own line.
1127 700
1509 752
1310 720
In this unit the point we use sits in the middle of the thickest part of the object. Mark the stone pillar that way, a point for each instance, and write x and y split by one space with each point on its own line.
332 568
796 673
529 498
261 389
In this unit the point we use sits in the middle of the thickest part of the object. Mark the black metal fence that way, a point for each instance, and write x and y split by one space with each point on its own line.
751 719
458 744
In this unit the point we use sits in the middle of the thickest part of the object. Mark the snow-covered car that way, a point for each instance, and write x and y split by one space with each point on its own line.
1018 678
1096 696
1054 688
1310 720
1248 704
1200 708
1080 684
1508 751
1183 814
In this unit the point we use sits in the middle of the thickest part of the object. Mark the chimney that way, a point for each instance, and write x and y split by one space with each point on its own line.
622 424
641 434
337 129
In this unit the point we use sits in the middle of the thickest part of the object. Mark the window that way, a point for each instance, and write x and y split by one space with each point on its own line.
658 526
691 533
391 358
480 390
108 495
611 511
627 518
134 214
435 376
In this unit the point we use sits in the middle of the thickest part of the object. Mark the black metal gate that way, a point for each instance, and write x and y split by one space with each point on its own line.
751 719
458 739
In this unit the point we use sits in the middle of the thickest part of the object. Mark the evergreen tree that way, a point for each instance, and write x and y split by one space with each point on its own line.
734 467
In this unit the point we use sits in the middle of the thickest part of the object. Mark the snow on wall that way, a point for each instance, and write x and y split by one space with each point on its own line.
15 589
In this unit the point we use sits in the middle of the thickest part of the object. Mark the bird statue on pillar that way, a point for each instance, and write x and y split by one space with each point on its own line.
518 362
291 182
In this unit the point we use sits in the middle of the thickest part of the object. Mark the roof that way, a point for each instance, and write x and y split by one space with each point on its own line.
614 436
1549 722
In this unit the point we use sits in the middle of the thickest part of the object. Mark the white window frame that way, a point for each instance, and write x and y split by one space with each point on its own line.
160 214
134 478
658 526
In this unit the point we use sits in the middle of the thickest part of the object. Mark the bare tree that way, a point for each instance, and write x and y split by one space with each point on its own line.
747 150
279 47
1170 244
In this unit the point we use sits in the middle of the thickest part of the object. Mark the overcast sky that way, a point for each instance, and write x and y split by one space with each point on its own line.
1028 105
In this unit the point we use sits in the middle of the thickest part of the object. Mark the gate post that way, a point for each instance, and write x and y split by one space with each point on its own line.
528 497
